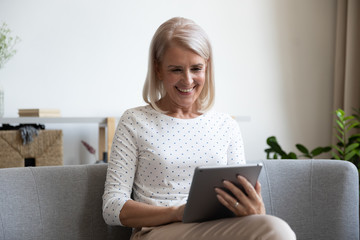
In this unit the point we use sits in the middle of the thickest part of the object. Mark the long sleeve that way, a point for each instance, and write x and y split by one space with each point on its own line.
121 171
235 153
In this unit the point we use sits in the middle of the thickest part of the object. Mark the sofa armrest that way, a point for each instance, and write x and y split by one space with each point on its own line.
318 198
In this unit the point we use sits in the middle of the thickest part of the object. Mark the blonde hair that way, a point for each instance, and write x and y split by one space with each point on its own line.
185 33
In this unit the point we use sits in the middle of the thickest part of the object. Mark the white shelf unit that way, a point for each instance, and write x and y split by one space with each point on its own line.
106 126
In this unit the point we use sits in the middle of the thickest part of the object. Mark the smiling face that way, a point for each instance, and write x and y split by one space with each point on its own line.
182 73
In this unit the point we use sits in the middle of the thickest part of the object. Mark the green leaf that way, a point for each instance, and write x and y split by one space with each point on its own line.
292 155
356 116
349 155
268 150
340 124
327 149
354 138
339 138
351 147
272 142
302 148
358 152
352 126
338 149
318 151
340 113
339 130
356 135
348 118
336 156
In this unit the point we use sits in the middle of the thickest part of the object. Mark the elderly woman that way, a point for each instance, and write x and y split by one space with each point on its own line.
156 148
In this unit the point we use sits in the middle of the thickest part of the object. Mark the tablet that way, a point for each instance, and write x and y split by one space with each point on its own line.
202 204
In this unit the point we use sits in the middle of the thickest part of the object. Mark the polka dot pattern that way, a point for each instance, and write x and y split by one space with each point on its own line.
153 156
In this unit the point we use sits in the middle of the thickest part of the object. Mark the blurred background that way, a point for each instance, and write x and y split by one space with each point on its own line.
274 63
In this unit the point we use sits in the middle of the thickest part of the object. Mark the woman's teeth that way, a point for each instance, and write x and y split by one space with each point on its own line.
185 90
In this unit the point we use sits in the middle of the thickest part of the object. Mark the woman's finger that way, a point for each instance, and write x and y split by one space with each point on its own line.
230 203
227 198
258 188
240 203
249 189
236 191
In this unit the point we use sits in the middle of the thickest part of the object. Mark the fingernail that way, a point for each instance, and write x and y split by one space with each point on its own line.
240 177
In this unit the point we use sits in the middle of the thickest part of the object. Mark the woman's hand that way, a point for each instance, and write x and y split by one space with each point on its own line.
136 214
179 213
242 204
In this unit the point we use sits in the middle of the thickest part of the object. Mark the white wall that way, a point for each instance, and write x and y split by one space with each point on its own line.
273 62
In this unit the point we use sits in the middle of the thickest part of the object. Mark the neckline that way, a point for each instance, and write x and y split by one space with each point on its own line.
175 118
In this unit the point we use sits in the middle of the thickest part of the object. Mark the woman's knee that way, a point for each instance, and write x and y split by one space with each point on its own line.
271 227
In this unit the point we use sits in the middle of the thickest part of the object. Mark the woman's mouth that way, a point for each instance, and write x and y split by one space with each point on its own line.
185 90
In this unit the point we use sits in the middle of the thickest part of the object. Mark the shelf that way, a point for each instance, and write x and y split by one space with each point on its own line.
106 126
54 120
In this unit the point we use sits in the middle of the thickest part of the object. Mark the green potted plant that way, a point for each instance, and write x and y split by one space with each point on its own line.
276 152
7 51
348 147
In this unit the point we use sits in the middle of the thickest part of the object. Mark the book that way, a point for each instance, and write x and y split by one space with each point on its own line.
36 112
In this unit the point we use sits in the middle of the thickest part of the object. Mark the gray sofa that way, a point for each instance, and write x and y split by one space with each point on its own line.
318 198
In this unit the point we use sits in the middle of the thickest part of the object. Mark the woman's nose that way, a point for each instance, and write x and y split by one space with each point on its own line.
188 78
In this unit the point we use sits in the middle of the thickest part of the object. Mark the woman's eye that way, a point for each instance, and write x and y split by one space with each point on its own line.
176 70
196 70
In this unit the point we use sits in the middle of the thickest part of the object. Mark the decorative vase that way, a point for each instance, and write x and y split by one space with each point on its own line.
2 104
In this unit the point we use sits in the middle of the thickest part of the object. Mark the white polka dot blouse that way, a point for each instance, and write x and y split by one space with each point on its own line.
153 156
